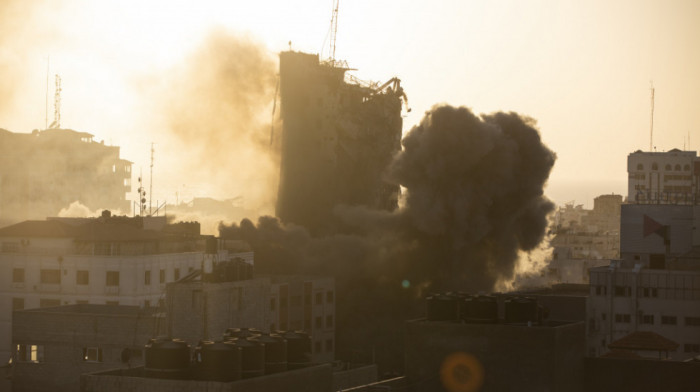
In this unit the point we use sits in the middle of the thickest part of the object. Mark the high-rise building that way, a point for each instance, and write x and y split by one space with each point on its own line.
337 140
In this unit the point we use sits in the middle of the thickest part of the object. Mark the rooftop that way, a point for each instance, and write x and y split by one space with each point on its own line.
93 309
645 341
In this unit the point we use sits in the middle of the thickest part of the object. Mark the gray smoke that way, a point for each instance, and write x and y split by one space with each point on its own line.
474 199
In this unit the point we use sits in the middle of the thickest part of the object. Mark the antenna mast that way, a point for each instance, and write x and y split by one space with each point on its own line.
57 104
150 197
334 28
651 130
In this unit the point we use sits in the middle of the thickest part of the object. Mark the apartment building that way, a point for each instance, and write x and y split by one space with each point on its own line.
107 260
664 177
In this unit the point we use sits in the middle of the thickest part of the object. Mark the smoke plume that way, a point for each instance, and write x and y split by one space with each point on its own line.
216 108
474 208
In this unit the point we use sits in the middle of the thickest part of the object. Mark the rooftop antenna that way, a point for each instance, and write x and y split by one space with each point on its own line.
651 130
150 197
142 194
334 29
57 105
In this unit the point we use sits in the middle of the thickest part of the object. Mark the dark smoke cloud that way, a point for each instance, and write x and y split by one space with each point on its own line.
474 200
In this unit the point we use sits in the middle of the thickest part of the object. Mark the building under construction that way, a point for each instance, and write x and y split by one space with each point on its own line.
338 138
45 171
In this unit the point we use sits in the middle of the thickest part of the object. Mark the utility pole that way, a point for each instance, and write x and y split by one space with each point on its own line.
150 197
651 130
334 28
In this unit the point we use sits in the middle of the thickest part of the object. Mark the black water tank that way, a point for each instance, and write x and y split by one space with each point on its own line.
218 361
443 307
252 357
520 310
298 349
167 358
480 309
241 333
275 352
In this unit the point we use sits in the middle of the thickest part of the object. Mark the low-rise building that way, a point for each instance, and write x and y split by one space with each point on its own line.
107 260
54 346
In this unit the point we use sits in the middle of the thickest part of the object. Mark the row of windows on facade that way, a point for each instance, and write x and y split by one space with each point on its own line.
668 190
34 353
295 300
668 167
18 303
82 277
687 347
650 292
625 318
666 177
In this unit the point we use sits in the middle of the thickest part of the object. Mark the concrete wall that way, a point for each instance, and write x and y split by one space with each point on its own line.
312 379
634 375
514 358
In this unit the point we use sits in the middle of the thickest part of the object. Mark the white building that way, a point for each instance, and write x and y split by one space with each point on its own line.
664 177
108 260
655 286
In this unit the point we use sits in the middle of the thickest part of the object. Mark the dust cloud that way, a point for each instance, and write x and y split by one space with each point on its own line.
474 209
215 108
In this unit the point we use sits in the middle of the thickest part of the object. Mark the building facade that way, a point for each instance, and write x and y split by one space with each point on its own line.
45 171
54 346
671 177
337 140
655 285
109 260
204 310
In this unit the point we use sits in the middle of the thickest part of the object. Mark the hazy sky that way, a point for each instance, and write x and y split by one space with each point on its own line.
582 69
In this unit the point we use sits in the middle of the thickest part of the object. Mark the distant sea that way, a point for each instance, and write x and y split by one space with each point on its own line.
583 192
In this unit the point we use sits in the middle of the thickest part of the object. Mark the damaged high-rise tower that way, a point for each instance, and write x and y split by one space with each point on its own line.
337 140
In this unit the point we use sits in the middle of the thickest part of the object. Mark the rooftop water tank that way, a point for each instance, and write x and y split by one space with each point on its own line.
480 309
520 310
167 358
275 352
298 349
218 361
443 307
241 333
252 357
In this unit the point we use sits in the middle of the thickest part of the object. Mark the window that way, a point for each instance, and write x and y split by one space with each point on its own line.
162 276
103 248
640 166
691 348
329 345
49 303
603 316
10 247
623 291
82 277
622 318
272 304
17 304
18 275
692 321
677 167
601 290
92 354
329 297
319 298
177 274
147 278
30 353
668 320
648 319
650 292
112 278
686 167
329 321
307 293
319 322
668 167
51 276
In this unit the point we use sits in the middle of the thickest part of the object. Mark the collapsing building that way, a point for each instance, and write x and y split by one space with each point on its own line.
45 171
337 140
